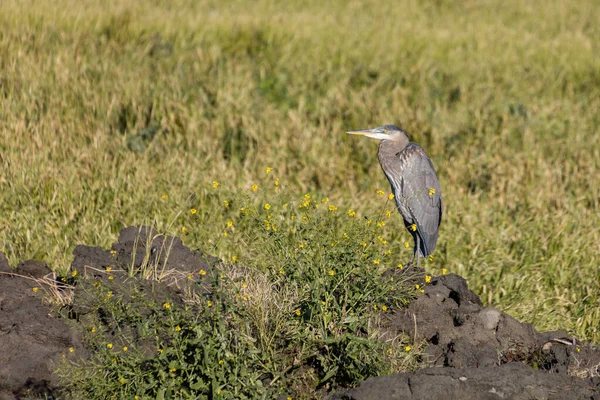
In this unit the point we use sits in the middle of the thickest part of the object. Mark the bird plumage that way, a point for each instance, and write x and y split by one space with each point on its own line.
415 185
416 189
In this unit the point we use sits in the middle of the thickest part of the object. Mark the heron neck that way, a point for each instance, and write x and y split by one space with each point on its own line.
389 148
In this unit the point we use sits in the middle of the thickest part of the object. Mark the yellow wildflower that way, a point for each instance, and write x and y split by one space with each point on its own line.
390 352
244 285
304 218
400 266
431 192
376 261
94 329
363 244
332 207
351 213
35 289
267 206
165 196
444 271
381 224
369 222
431 257
406 244
184 230
221 362
166 306
417 286
297 312
380 192
375 307
122 380
71 350
225 234
391 196
225 203
234 258
202 272
331 272
190 277
125 348
74 274
110 277
109 294
254 188
177 328
193 211
173 370
108 269
281 272
113 252
229 224
345 235
325 200
388 214
277 182
407 348
268 170
413 227
215 184
110 345
427 278
383 308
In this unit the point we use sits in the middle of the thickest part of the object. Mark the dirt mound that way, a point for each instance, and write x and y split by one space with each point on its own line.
486 353
475 352
32 339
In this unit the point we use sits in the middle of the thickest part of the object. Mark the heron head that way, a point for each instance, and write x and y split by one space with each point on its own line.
385 132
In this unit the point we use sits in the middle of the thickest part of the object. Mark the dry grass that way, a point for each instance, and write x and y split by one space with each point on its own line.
504 96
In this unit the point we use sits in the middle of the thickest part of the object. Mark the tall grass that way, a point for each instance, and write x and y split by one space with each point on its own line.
106 107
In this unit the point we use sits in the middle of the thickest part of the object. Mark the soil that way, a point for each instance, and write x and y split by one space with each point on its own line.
475 352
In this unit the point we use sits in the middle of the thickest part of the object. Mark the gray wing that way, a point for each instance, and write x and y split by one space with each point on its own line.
417 193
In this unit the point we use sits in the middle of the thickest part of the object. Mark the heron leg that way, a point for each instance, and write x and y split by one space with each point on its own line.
418 252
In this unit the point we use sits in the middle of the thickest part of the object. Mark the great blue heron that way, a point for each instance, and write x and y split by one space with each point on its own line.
414 183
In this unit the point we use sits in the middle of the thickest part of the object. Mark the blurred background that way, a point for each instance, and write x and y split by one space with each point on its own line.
119 112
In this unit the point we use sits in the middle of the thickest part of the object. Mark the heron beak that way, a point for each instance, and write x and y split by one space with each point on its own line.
372 133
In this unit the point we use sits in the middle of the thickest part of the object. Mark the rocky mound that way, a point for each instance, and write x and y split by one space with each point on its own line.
482 353
475 352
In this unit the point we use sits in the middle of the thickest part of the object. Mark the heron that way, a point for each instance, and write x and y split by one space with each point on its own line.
414 183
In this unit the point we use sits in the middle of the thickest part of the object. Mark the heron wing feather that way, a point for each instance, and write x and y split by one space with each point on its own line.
417 193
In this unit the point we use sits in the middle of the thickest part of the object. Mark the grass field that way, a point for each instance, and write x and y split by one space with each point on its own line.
125 112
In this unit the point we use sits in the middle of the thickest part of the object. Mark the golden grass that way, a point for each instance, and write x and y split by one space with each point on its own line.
504 96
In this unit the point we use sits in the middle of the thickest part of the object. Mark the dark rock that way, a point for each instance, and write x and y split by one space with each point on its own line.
32 339
33 268
460 331
511 381
91 261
